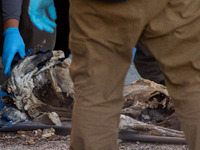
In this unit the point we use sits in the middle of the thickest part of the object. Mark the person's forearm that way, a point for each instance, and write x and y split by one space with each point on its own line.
11 9
10 23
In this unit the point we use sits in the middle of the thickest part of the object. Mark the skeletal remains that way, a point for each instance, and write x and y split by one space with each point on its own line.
41 87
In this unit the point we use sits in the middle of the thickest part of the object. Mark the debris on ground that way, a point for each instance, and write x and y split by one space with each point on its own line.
43 92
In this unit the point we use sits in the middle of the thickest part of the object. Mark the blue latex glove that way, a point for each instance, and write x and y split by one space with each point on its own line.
13 43
39 17
1 95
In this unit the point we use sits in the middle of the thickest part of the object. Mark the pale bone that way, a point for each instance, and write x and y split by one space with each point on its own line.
130 123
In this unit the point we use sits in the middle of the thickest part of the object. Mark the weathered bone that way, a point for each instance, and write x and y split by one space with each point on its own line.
147 101
46 89
130 123
41 91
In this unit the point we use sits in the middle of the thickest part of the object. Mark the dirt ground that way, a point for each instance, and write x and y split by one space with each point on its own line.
47 140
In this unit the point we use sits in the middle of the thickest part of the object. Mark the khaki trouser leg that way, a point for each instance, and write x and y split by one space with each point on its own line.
101 34
101 40
174 39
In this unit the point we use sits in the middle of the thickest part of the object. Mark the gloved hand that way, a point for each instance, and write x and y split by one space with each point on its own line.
39 17
13 43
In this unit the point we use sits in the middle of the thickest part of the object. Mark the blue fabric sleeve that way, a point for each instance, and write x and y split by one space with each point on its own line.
11 9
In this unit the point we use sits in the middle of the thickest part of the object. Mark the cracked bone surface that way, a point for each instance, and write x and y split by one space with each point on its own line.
41 84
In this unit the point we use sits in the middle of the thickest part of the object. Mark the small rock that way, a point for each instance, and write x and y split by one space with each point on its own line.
30 142
37 132
138 142
48 132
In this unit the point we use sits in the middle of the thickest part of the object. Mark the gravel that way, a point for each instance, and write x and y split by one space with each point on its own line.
29 140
